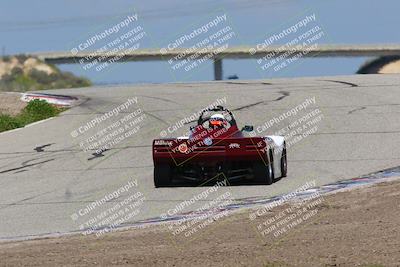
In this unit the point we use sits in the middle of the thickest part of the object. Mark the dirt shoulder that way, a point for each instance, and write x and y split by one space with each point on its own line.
11 104
356 228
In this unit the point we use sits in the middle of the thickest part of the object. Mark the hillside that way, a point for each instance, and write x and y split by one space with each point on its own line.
22 73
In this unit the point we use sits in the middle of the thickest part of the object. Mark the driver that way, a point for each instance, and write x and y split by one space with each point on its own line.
217 121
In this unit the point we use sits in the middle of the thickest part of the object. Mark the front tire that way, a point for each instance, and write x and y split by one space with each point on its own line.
162 175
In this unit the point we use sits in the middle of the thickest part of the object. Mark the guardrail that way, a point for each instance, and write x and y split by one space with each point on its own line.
240 52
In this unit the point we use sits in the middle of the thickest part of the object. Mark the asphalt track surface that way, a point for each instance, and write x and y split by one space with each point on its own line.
45 177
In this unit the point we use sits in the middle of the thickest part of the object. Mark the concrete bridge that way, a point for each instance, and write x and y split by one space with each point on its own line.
218 54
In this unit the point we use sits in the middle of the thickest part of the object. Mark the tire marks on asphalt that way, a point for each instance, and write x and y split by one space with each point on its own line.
26 165
284 94
342 82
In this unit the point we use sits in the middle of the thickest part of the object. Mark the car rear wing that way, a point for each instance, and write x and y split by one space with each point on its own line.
180 150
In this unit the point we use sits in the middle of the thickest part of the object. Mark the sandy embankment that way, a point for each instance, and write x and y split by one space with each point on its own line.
10 103
356 228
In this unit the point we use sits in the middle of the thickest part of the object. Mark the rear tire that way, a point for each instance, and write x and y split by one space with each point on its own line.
162 175
264 172
284 162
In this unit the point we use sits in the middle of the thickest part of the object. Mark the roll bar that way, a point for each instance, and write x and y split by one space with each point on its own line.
201 120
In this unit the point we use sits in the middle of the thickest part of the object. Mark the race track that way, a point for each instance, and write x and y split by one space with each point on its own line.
45 177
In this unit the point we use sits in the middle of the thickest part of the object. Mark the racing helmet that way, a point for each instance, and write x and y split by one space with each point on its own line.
217 120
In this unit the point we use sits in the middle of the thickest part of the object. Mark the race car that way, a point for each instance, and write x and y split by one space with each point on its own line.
215 147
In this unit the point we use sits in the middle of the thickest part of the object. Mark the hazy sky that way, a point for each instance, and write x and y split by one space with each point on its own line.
54 25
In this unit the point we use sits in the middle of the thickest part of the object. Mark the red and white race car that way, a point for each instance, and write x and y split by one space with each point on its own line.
216 146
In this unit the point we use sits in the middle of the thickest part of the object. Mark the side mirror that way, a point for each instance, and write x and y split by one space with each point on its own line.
247 128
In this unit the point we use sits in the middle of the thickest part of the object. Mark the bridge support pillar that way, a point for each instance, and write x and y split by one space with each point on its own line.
217 69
